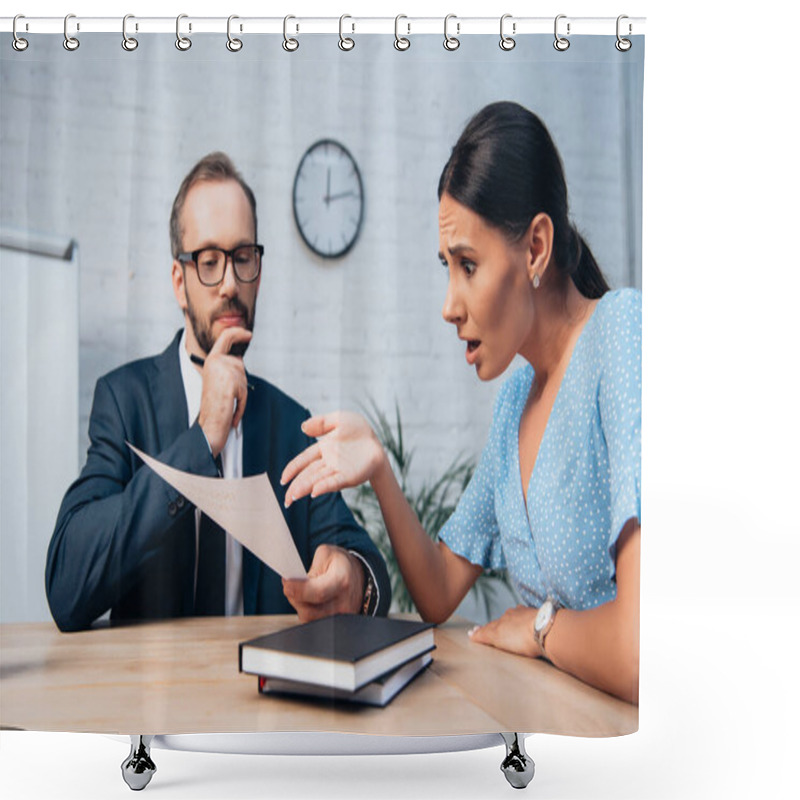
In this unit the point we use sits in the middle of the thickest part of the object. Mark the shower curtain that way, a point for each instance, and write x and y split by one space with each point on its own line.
94 145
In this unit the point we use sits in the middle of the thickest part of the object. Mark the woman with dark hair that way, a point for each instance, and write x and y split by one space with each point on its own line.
556 496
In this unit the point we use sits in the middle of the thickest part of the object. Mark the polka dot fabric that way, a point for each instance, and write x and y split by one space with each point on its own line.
586 483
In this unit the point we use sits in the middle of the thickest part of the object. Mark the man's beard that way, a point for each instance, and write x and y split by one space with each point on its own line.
202 329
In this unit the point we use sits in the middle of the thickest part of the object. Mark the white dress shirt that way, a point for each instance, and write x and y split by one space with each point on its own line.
231 456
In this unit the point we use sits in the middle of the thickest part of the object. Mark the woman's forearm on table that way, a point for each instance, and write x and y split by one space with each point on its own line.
601 645
591 645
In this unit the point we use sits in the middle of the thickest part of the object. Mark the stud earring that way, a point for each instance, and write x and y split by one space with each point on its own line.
536 281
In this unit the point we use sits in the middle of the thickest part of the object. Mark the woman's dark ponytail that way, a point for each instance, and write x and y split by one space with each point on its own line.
505 168
587 276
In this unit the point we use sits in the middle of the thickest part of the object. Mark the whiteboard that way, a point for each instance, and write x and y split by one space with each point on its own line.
38 409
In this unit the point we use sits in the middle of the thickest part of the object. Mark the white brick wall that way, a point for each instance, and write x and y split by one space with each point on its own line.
95 144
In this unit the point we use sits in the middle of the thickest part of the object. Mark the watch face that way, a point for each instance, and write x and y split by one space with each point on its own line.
543 617
328 199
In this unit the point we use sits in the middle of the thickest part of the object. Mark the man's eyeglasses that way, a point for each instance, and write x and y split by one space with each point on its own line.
211 261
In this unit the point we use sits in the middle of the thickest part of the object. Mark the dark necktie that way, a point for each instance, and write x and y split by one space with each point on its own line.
210 594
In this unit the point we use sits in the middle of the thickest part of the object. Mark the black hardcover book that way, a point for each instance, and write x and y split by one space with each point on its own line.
345 651
379 692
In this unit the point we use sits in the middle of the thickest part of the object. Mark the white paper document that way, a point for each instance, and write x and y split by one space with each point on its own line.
245 507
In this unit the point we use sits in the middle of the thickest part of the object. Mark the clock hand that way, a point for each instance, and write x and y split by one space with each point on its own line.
342 194
327 197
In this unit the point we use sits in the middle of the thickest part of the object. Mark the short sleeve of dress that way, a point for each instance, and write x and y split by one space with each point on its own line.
472 530
620 405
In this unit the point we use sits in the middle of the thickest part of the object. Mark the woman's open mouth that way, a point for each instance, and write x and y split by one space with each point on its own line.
472 347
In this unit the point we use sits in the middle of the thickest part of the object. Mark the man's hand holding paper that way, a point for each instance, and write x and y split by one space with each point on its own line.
335 585
248 509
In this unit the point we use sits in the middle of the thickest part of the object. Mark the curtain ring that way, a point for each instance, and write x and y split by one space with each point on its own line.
18 43
345 42
70 42
181 42
233 44
289 44
507 42
129 43
561 43
623 45
400 42
451 42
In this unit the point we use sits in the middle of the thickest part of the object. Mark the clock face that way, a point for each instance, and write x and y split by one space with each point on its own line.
328 199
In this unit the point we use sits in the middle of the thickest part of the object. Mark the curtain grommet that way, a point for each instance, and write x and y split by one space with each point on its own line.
561 43
507 42
289 44
129 43
70 43
233 44
401 43
183 43
622 44
18 43
451 43
345 42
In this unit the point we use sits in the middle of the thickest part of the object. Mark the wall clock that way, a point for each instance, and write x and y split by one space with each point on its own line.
328 199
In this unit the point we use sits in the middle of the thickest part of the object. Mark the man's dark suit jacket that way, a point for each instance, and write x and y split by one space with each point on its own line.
125 539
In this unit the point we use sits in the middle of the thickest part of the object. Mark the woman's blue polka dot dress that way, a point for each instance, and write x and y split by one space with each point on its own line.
586 482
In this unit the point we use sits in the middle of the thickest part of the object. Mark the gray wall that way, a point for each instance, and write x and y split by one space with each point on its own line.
95 144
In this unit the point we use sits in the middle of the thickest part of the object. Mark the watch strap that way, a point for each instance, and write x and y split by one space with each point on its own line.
372 594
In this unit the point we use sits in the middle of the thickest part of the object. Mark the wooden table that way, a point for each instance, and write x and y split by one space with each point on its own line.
182 676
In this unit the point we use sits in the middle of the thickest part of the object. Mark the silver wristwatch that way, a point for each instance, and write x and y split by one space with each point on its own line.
544 621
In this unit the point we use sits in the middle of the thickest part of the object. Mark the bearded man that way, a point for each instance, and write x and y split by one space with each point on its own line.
127 541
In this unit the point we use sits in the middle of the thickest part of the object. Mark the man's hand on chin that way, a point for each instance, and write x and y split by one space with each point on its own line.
335 585
224 389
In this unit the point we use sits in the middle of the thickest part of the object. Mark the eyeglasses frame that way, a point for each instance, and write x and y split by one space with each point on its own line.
191 258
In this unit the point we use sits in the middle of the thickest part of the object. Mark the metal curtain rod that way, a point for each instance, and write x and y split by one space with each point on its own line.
460 26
